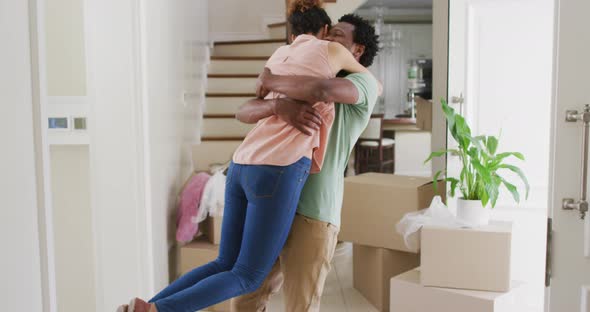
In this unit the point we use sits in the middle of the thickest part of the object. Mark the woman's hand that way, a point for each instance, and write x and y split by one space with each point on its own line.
300 115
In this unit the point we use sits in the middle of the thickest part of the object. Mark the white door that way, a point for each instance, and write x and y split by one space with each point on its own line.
500 79
570 282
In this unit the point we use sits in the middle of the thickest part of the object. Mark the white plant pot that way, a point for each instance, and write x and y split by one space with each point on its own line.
472 213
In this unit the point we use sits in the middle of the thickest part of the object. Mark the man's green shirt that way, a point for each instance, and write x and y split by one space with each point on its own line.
321 198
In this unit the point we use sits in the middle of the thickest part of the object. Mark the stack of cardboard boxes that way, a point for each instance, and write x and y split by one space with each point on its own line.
203 250
463 270
373 204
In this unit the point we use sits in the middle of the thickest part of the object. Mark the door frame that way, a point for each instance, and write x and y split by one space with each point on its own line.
552 138
42 157
145 286
440 77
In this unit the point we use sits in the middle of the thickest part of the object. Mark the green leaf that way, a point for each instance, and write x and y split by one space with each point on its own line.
435 180
512 189
484 196
493 189
440 153
449 113
501 156
492 145
520 174
454 182
462 133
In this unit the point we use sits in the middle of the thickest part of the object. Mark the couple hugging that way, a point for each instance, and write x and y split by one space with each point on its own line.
284 187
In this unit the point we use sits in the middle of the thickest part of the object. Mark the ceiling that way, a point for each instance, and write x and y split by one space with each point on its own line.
398 4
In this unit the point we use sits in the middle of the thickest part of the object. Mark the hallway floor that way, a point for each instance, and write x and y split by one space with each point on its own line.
339 295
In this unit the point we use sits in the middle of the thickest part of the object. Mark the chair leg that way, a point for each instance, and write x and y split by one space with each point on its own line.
381 159
356 159
366 160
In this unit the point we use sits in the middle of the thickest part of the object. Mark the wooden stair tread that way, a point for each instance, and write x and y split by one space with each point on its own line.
219 116
249 41
209 139
230 95
281 24
240 58
232 76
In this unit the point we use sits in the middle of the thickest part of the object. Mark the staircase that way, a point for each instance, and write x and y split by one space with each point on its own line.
231 80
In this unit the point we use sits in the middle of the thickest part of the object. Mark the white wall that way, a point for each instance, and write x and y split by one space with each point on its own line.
174 45
143 56
238 19
72 217
20 265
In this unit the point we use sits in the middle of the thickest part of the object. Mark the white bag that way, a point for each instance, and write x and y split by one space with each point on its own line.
213 199
437 214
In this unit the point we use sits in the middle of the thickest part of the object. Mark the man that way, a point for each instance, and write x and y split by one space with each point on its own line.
304 263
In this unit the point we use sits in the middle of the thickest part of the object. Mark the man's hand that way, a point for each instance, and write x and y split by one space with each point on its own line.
300 115
261 91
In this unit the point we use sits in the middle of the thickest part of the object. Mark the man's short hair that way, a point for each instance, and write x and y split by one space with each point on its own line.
364 34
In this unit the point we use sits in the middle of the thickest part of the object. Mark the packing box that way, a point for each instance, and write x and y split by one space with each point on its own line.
408 295
195 254
467 258
374 267
375 202
423 114
213 152
211 228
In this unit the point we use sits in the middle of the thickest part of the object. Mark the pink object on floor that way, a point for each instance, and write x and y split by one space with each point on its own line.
188 207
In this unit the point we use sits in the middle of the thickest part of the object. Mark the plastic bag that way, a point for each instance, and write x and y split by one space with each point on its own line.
188 206
437 214
213 200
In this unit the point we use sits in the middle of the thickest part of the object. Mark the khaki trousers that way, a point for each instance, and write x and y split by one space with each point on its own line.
301 269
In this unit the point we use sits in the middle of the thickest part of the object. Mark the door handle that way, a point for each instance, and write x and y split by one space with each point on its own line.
458 99
582 204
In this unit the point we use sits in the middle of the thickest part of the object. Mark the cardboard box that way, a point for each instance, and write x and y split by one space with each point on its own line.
213 152
476 258
374 267
423 114
211 228
195 254
375 202
408 295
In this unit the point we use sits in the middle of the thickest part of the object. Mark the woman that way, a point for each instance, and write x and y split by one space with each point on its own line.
265 179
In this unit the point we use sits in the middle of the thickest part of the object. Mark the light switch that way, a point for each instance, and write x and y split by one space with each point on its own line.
80 123
58 123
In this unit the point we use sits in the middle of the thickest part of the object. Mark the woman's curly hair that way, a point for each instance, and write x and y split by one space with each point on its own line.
307 17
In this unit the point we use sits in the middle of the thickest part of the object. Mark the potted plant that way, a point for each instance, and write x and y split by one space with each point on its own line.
479 181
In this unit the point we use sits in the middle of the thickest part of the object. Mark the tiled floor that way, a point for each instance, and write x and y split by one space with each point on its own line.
339 296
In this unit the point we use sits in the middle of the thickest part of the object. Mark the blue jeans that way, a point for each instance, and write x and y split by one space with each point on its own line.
260 204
